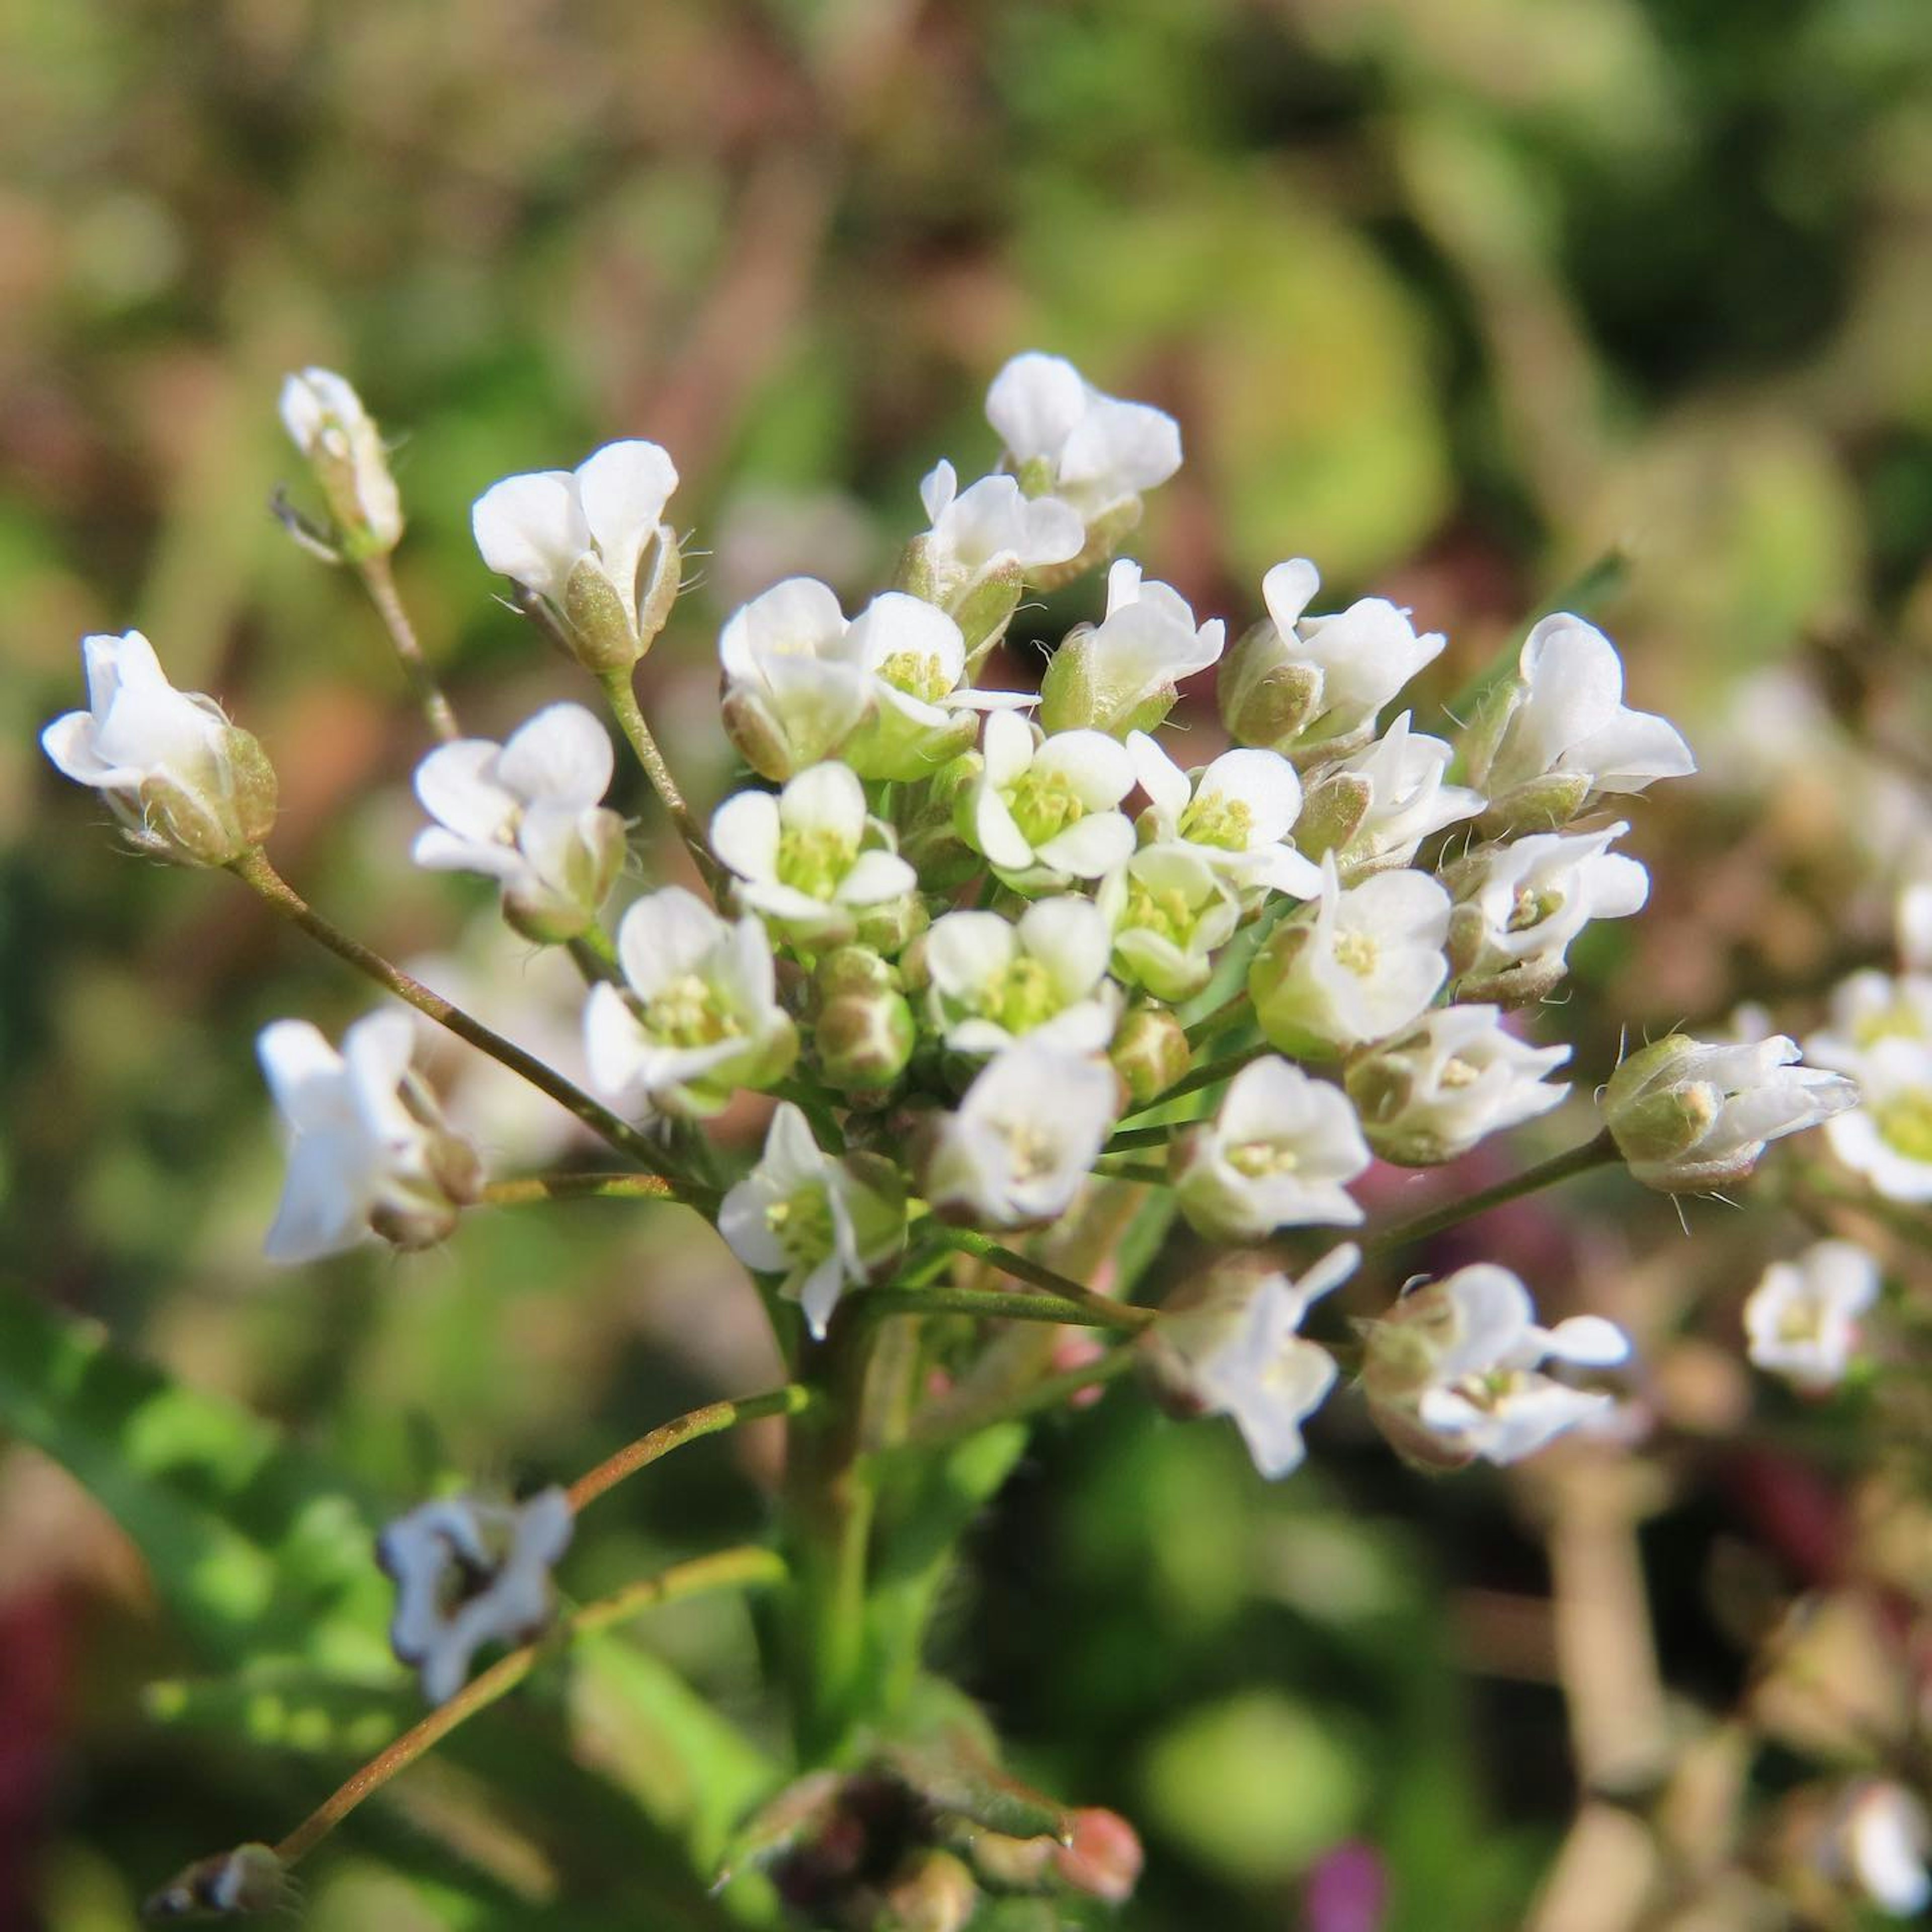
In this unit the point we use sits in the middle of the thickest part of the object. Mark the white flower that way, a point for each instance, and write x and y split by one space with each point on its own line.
183 782
592 542
1520 905
1868 1010
325 420
369 1151
1889 1138
1016 1151
918 716
1044 810
527 814
1452 1371
1885 1838
1357 966
1170 913
822 1223
1387 799
1235 1350
1689 1116
795 688
1278 1154
1235 813
802 858
705 1021
1068 440
1564 719
468 1573
1802 1319
1457 1077
1121 675
1296 680
1044 977
991 526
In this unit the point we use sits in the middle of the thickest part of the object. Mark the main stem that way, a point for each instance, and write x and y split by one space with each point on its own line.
380 583
1598 1153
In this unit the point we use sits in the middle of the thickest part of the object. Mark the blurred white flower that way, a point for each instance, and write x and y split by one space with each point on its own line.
468 1573
1453 1371
527 813
822 1223
705 1019
802 858
1234 814
1042 977
1018 1148
185 783
1802 1320
326 421
1884 1839
1170 913
1888 1138
1278 1154
1122 674
1066 439
369 1150
1044 810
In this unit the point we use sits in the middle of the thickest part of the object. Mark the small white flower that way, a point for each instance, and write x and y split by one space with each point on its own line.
527 814
1565 718
369 1151
1235 813
1122 675
1235 1350
1395 797
1452 1371
1689 1116
1044 810
1018 1148
1889 1138
1357 966
1519 907
991 526
1297 680
1802 1319
183 782
1068 440
1457 1077
592 542
1170 912
822 1223
705 1021
1884 1839
795 688
1278 1154
1867 1011
326 421
1044 978
468 1573
803 857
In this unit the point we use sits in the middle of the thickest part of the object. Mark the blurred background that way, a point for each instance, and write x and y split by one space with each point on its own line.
1622 303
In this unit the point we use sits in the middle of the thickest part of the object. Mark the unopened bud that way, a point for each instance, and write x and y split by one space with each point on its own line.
208 816
1267 698
1149 1053
932 1891
249 1880
1104 1859
1545 804
864 1040
325 419
892 924
853 969
757 732
1332 812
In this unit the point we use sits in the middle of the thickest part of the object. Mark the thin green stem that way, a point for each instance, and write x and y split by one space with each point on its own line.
948 1426
1106 1311
380 583
1210 1023
1579 1159
1128 1139
1212 1075
594 953
748 1568
623 696
254 870
527 1189
712 1419
1149 1173
1091 1311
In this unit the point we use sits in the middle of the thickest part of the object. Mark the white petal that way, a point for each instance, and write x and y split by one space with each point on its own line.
623 489
562 755
458 787
1035 403
1160 778
532 528
1288 590
665 935
826 798
875 877
1090 848
1126 447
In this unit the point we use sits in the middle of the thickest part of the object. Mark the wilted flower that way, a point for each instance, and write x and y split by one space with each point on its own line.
1170 913
369 1150
1453 1371
1884 1838
822 1223
1042 811
1231 1347
1357 966
527 814
468 1573
705 1019
1374 808
1297 683
1043 977
1016 1151
1121 675
1689 1116
185 783
1235 813
1279 1154
809 858
1456 1077
593 543
325 420
1802 1319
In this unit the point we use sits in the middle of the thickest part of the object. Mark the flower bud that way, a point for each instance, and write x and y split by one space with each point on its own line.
892 925
238 1884
1104 1859
1266 698
1149 1053
932 1891
853 969
1541 805
325 419
1120 675
864 1040
1332 812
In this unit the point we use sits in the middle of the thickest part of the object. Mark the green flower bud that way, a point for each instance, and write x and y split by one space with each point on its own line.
892 925
864 1039
1266 699
1544 804
756 731
1149 1053
853 969
1332 812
